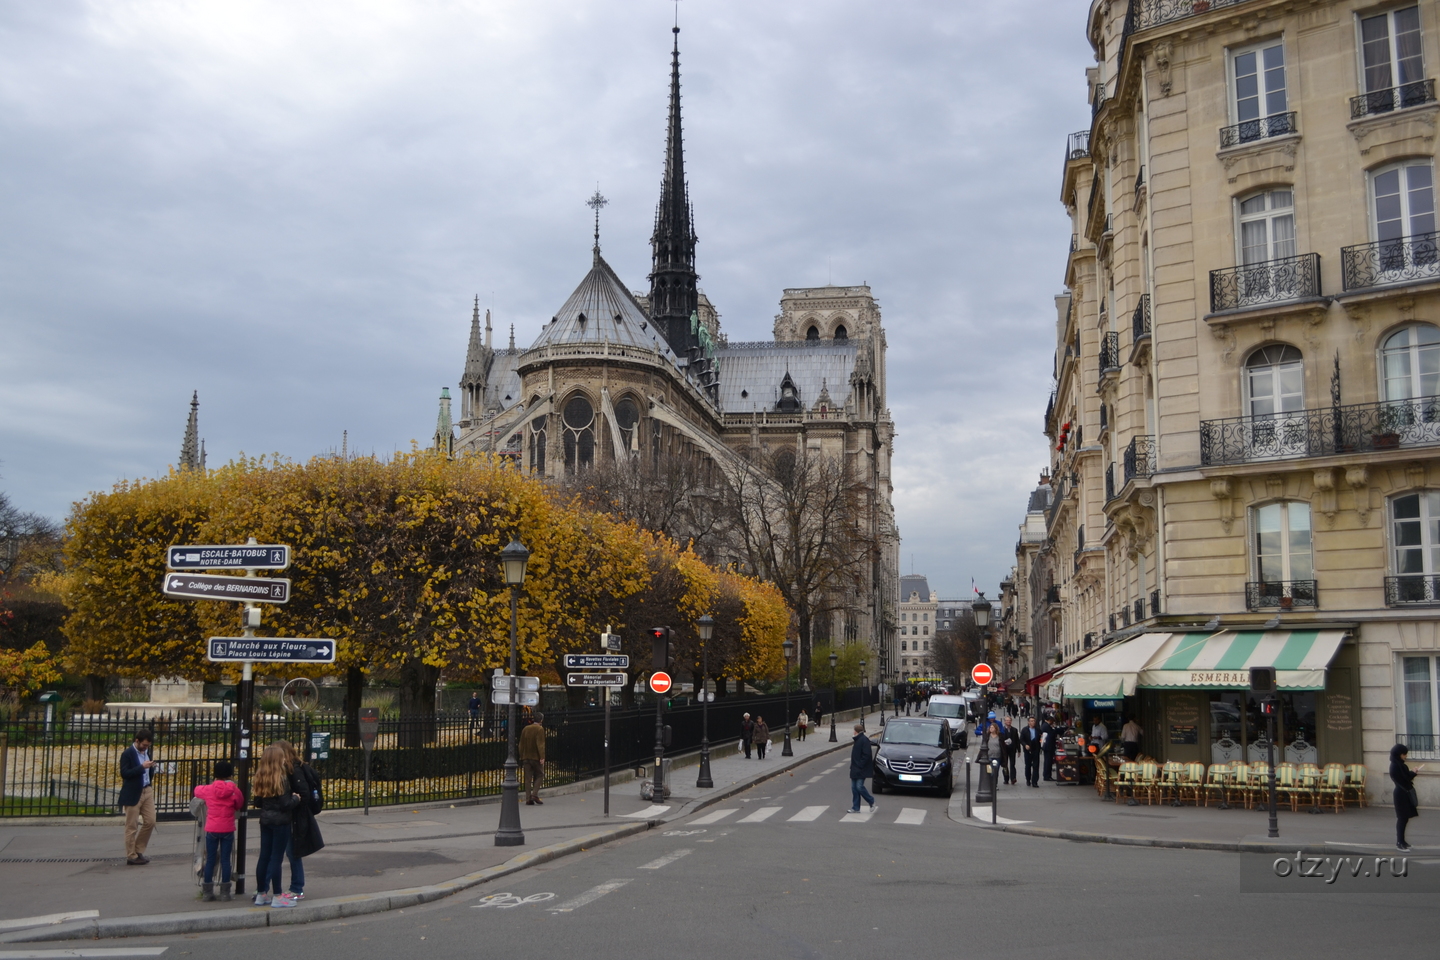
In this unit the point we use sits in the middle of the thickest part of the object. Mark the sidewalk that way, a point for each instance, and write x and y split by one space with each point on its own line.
395 857
1072 812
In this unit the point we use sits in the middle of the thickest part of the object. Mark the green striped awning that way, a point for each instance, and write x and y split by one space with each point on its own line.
1221 661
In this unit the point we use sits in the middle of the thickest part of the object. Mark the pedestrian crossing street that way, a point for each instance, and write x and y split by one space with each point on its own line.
910 816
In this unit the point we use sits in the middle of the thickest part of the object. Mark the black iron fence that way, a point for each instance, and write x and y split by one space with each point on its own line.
1412 589
1392 98
1109 352
69 765
1261 128
1077 145
1272 281
1109 482
1155 12
1140 457
1281 594
1400 260
1321 432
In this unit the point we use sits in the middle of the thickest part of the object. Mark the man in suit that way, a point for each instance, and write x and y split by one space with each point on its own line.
1049 732
1030 743
137 797
1009 747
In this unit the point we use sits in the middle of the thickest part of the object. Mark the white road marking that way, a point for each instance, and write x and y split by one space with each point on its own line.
914 815
799 788
48 919
669 858
764 813
862 817
714 817
816 779
83 952
654 810
983 813
808 814
590 896
508 901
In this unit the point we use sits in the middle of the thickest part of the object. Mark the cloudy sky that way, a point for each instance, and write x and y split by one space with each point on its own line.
290 206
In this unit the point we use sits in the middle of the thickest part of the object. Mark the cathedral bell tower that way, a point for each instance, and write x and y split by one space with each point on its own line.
674 296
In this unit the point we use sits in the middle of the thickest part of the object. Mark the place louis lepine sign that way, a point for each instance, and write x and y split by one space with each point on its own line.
271 650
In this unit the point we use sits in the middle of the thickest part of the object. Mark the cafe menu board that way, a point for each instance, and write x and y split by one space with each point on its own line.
1184 733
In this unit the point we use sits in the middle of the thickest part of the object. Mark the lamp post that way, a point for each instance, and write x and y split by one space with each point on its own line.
834 702
862 693
513 559
706 626
785 750
985 789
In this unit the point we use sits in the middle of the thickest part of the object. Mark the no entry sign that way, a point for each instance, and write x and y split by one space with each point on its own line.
981 674
660 681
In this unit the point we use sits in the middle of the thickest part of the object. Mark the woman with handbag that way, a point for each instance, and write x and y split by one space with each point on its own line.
273 794
1407 802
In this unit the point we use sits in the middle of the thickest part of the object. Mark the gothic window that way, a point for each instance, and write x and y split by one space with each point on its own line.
579 429
813 333
627 415
841 333
537 445
1410 363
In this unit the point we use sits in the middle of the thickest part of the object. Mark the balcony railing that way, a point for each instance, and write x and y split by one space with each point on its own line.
1155 12
1140 457
1104 418
1391 261
1139 609
1139 180
1109 482
1109 352
1261 128
1271 281
1412 590
1322 432
1052 594
1154 603
1284 594
1098 100
1077 145
1392 98
1423 746
1140 319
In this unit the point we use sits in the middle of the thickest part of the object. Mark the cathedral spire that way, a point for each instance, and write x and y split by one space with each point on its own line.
674 294
478 356
192 451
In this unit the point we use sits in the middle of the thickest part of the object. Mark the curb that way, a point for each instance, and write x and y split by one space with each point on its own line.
243 918
1221 846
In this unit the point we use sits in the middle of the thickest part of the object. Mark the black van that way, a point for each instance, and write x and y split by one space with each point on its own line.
915 752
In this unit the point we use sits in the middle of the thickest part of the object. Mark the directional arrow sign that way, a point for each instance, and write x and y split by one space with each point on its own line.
271 649
250 557
595 679
199 586
596 661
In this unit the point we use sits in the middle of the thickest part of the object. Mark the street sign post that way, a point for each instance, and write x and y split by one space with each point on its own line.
610 641
595 679
526 690
259 556
201 586
596 661
981 674
271 650
369 730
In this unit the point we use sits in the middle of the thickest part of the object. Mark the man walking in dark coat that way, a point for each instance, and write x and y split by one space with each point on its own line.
1048 734
137 797
1009 747
862 767
1030 743
747 734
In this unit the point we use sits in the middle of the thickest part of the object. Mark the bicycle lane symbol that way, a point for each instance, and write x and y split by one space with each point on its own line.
508 901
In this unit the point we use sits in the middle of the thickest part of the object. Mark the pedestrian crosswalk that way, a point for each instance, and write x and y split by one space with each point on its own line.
906 816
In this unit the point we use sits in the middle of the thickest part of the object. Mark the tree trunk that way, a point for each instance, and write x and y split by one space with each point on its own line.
354 689
721 685
94 686
417 703
805 630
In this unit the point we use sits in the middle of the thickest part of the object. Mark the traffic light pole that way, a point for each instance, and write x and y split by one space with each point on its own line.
659 662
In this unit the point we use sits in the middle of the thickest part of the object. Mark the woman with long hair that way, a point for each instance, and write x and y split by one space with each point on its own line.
272 793
1406 802
304 832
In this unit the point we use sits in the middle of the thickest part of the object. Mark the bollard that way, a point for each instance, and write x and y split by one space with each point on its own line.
967 788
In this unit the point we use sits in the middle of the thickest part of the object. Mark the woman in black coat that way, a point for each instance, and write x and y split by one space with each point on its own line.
1405 798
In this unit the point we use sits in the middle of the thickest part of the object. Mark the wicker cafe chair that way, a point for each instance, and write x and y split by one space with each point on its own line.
1193 784
1310 780
1355 783
1287 785
1331 789
1172 774
1125 781
1216 784
1245 777
1148 783
1104 780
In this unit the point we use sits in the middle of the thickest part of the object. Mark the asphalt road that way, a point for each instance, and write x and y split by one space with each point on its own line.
788 873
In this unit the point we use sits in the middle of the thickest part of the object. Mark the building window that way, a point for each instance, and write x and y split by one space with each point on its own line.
813 333
1415 526
1284 558
925 616
627 415
927 646
927 633
579 420
1404 203
1275 386
1390 45
904 616
537 445
1258 92
903 647
1410 363
1267 226
1419 692
841 333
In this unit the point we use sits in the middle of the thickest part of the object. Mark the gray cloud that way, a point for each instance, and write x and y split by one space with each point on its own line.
289 207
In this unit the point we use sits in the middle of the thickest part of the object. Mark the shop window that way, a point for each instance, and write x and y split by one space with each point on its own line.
1239 729
1420 683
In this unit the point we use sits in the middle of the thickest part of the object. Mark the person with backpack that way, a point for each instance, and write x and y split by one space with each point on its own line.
222 800
273 794
305 836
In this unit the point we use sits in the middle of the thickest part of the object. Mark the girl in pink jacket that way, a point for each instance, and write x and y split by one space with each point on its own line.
222 800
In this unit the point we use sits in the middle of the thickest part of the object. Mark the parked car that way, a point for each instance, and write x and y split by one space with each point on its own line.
947 707
915 752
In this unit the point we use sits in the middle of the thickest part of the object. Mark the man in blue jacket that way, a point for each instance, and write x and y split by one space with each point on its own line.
862 766
137 797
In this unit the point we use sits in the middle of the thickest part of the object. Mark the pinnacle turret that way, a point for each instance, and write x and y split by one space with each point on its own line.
674 294
192 448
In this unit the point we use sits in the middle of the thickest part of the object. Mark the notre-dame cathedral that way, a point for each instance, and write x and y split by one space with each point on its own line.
620 374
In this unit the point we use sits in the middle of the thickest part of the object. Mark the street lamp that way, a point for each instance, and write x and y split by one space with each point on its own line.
513 560
862 693
785 751
834 703
706 626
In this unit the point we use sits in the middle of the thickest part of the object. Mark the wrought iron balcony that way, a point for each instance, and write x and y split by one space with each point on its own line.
1271 281
1052 594
1417 590
1261 128
1098 99
1109 482
1154 603
1140 180
1139 609
1392 98
1423 746
1322 432
1109 352
1391 261
1284 594
1077 145
1140 319
1104 418
1140 457
1155 12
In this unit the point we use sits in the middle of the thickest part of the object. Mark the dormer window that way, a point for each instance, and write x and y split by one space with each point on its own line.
789 397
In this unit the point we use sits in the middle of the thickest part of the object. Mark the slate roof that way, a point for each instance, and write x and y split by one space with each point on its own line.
750 373
502 388
601 309
914 583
